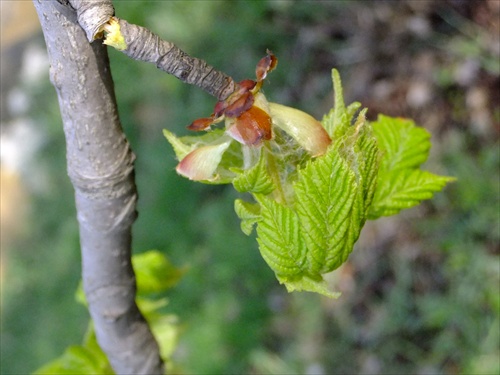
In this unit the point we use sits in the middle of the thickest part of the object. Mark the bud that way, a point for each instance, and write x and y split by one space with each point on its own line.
305 129
251 127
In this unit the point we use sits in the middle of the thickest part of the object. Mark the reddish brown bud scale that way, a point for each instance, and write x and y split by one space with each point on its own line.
247 84
242 104
252 127
219 108
248 124
201 124
242 88
265 65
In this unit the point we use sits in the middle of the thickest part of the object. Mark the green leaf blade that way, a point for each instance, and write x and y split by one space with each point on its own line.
255 179
325 194
309 284
154 272
368 160
404 144
77 360
280 240
249 214
181 148
405 189
400 183
338 120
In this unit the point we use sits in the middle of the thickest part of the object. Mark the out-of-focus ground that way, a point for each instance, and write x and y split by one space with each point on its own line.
420 291
18 24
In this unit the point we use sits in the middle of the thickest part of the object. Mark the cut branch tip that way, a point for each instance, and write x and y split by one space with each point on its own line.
113 35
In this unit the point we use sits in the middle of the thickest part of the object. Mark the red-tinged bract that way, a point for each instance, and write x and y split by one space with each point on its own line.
252 127
201 124
201 163
265 65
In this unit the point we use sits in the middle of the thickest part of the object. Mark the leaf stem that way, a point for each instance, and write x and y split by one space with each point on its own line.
273 170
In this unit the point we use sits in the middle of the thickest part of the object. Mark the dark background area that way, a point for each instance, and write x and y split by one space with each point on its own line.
420 292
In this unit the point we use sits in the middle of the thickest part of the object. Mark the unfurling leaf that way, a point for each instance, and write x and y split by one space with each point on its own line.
255 180
405 189
280 239
249 214
403 144
325 193
401 184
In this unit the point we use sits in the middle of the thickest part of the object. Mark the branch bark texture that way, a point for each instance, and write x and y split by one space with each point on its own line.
146 46
100 166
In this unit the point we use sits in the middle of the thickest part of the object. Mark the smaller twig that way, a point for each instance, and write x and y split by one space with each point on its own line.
140 43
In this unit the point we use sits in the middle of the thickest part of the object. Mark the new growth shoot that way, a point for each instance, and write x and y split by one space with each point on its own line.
314 183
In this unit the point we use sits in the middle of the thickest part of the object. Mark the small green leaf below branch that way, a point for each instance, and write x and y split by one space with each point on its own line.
155 274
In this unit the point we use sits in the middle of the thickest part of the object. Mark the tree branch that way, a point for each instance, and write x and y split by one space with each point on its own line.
100 166
142 44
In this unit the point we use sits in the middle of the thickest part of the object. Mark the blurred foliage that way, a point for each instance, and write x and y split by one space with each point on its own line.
420 293
155 274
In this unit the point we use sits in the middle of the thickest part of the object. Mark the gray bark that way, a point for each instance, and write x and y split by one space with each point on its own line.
146 46
100 166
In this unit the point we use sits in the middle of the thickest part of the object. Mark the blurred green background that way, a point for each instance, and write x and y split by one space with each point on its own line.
420 293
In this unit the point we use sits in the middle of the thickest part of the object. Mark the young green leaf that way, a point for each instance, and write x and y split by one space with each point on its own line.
227 156
404 145
280 239
368 160
255 179
181 148
325 193
309 284
154 272
338 120
282 247
401 184
77 360
406 188
166 330
249 214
